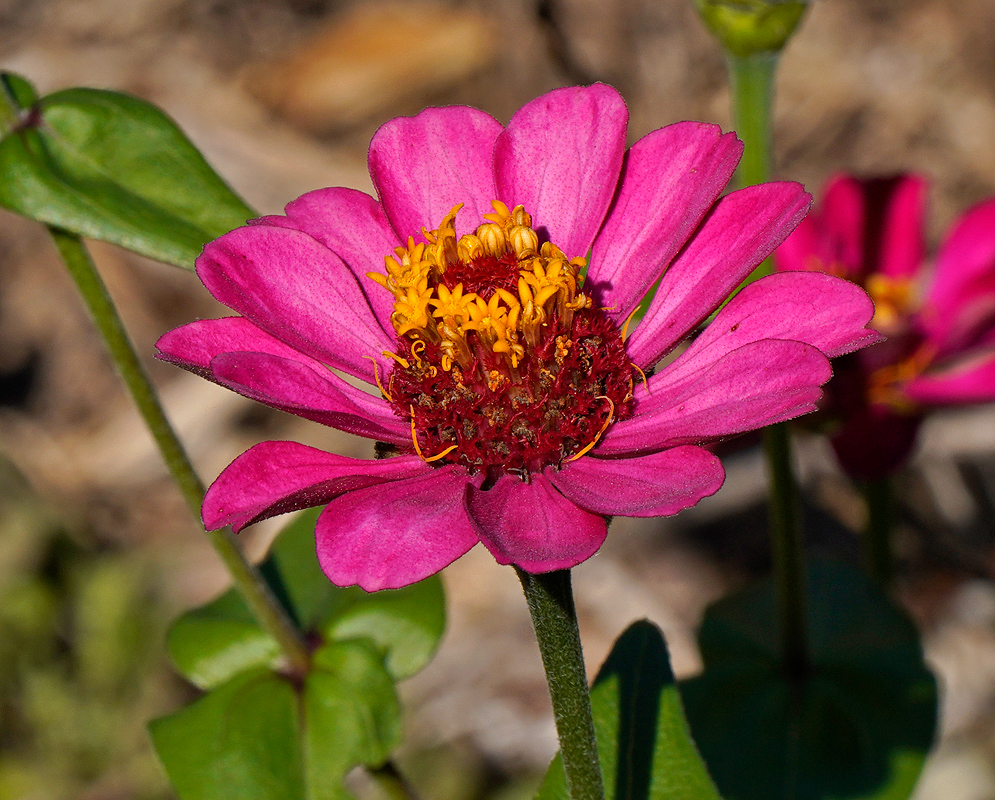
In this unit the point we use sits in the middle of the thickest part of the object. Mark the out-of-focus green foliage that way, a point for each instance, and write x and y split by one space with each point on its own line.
81 660
858 726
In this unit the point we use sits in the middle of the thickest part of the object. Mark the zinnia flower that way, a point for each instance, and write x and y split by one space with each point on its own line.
512 407
940 321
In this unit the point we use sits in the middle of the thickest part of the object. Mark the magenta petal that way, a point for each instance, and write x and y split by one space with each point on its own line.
655 485
826 312
903 244
297 389
352 225
278 477
971 381
965 260
742 230
386 537
533 526
235 353
560 157
424 165
299 291
670 178
755 385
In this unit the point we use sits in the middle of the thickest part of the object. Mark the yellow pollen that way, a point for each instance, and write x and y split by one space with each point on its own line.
892 298
604 427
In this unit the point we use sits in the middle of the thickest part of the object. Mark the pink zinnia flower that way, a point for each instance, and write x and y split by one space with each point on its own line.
513 408
940 321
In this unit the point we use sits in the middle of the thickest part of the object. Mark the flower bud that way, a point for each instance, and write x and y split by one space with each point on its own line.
748 27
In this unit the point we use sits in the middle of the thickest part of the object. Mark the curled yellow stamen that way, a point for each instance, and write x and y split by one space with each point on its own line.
625 328
443 454
402 361
376 377
416 351
642 374
611 416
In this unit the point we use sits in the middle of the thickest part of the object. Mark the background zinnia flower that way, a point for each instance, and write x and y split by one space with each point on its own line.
939 320
515 411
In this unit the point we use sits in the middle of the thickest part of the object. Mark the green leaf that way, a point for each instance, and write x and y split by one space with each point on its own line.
261 736
241 740
858 727
352 716
406 623
110 166
638 714
212 644
216 642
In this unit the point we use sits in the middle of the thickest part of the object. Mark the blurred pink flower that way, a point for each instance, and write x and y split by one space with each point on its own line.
940 321
514 411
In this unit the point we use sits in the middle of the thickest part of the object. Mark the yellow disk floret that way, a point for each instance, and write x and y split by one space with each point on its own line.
429 307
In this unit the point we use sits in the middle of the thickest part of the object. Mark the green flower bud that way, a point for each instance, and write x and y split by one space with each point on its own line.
748 27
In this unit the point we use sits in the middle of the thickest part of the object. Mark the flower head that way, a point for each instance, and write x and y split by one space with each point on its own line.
940 320
484 298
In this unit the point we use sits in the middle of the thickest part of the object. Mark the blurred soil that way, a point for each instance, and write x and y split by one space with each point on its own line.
283 96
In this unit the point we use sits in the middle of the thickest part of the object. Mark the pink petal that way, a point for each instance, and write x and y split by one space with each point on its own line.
841 221
903 243
424 165
971 381
353 226
236 354
390 536
299 291
965 267
278 477
533 526
742 230
560 157
755 385
811 307
297 389
670 178
655 485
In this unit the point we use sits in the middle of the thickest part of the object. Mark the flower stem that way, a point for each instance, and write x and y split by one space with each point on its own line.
878 559
787 546
253 588
752 79
554 618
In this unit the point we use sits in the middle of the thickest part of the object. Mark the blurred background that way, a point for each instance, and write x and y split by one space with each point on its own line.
97 551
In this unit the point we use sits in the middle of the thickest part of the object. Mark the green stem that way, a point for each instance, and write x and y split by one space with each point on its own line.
256 592
554 618
752 79
788 550
878 558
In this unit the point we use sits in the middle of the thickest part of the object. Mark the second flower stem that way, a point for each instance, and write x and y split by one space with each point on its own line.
878 559
554 618
254 590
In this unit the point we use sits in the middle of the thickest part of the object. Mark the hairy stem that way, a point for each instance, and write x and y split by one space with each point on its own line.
255 591
554 618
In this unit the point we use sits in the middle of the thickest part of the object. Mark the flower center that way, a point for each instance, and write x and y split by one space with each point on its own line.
892 301
502 363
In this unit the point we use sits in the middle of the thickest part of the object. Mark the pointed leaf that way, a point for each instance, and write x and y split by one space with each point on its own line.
110 166
859 726
644 745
